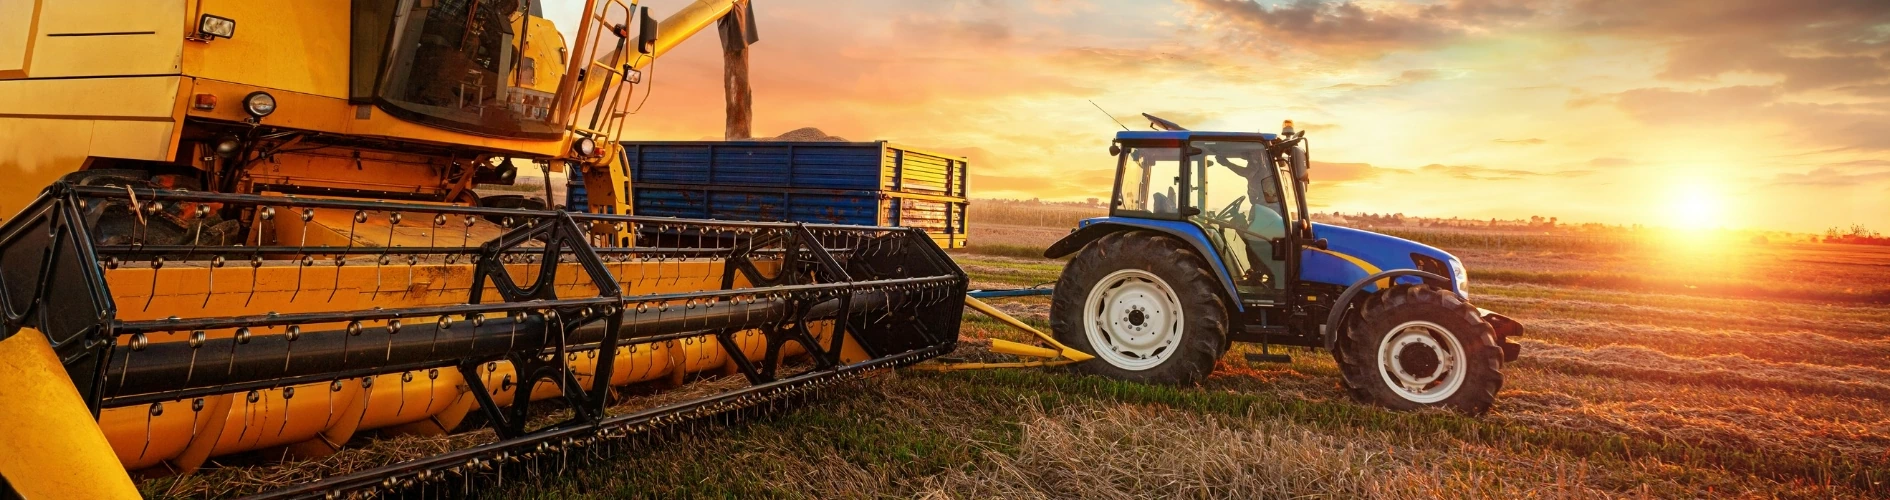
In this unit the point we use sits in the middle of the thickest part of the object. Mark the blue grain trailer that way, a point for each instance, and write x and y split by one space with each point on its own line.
861 183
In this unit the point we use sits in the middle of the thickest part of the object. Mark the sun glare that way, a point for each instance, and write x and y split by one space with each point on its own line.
1695 207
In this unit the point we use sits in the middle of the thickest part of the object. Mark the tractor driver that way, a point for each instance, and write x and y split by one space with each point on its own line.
1263 194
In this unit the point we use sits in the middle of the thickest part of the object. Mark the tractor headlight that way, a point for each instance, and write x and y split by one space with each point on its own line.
584 147
1461 276
259 104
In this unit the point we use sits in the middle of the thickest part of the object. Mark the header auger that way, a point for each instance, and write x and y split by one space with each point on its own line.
186 352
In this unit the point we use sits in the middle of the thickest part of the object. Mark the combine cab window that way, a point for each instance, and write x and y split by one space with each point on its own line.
1149 184
471 65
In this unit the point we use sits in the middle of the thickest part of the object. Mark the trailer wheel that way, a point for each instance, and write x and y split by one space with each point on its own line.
1145 305
1418 346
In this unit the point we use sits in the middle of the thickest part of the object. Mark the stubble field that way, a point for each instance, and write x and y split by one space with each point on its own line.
1653 366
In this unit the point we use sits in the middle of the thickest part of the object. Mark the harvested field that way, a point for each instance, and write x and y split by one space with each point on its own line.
1770 382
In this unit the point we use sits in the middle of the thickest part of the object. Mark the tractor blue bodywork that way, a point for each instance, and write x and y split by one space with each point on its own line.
1374 252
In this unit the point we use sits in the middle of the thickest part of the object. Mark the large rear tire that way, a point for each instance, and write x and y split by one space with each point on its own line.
1418 346
1146 305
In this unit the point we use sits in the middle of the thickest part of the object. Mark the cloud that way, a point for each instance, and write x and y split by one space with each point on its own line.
1323 172
1807 44
1810 44
1610 162
1408 77
1669 106
1834 176
1411 76
1342 25
1343 173
1523 142
1474 173
1841 126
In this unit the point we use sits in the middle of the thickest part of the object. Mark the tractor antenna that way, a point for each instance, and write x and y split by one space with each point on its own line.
1111 117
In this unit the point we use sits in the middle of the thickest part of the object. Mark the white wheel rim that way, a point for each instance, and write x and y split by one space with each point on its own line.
1133 319
1421 362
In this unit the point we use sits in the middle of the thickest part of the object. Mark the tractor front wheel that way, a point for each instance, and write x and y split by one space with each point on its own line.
1419 346
1146 305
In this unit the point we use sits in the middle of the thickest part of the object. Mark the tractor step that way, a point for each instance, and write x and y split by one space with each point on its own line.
1269 358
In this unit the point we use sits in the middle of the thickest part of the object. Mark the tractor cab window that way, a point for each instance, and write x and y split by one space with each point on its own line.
1149 183
1243 208
481 66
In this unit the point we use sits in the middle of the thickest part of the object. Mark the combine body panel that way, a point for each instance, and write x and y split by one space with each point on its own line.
251 227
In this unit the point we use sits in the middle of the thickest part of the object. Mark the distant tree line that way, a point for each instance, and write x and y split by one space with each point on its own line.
1856 235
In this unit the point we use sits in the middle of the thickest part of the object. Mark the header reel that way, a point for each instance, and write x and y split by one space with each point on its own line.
335 317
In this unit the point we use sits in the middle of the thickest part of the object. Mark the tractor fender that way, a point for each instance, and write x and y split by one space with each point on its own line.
1095 229
1343 305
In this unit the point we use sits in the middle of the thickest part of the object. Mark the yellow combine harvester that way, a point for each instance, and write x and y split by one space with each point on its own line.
249 226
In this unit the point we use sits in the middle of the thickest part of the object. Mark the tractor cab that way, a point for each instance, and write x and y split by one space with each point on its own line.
1239 189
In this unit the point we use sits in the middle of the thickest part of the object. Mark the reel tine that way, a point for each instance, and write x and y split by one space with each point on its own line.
292 333
157 263
255 270
379 262
210 278
287 394
340 260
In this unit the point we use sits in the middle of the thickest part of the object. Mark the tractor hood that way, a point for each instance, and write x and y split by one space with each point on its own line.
1352 255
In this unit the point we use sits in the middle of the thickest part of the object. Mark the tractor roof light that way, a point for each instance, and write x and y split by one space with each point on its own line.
259 104
213 27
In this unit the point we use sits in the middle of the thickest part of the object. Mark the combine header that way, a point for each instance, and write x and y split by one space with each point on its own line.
215 269
190 351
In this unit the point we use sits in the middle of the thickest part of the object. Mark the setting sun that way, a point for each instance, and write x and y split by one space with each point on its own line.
1695 206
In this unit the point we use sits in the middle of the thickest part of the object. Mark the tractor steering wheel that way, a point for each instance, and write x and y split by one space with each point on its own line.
1232 210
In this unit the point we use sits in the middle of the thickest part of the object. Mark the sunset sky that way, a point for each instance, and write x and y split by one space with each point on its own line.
1762 114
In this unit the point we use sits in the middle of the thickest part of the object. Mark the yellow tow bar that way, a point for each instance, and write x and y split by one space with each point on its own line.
1055 355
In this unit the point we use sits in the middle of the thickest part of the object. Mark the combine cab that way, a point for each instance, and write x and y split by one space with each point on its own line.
271 246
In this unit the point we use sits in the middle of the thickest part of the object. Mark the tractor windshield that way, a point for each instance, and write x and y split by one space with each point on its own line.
484 66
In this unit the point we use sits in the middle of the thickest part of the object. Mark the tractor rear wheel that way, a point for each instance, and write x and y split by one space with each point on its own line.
1419 346
1146 305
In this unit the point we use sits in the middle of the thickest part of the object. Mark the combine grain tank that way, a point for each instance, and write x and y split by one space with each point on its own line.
869 183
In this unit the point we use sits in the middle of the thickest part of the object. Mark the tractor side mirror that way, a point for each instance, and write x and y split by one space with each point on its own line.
646 34
1115 149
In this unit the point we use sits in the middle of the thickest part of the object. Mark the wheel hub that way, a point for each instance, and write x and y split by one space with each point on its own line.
1135 319
1422 362
1419 360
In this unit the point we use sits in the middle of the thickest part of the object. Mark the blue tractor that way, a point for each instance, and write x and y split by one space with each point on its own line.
1208 242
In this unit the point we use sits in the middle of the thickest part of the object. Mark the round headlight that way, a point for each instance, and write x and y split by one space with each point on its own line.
259 104
584 146
1462 276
